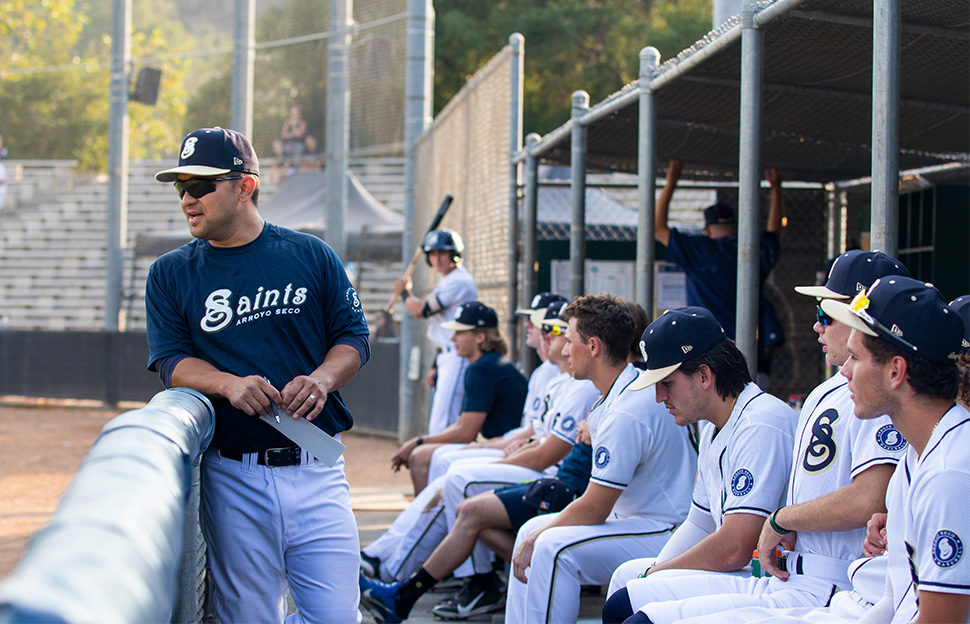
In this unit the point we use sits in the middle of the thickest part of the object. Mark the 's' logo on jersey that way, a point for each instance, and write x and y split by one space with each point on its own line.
188 148
568 423
947 549
602 457
353 299
218 311
742 482
821 449
889 438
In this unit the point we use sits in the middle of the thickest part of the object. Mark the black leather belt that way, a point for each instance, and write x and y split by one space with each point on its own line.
273 457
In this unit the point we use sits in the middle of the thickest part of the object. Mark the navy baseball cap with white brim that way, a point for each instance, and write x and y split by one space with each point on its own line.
961 305
539 304
678 335
472 315
853 272
210 152
905 312
552 316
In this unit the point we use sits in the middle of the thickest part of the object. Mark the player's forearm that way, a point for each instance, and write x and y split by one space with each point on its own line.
847 508
539 457
196 373
338 368
720 551
465 430
414 305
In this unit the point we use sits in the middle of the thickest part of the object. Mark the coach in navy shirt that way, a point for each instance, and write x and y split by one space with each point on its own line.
710 260
494 390
262 320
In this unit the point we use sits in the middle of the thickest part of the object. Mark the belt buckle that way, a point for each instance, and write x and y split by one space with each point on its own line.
281 456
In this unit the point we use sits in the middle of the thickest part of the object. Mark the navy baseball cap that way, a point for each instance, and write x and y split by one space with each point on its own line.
552 315
213 152
853 272
676 336
961 305
539 302
905 312
719 214
472 315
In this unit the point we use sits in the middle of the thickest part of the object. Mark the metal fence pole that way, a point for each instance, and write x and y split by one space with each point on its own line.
577 189
338 128
517 46
884 229
243 58
749 185
530 216
646 181
417 115
117 161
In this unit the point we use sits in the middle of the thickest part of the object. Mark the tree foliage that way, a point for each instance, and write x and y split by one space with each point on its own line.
592 45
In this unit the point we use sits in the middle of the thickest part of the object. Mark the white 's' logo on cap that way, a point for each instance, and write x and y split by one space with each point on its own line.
236 160
188 148
895 329
643 350
687 348
536 300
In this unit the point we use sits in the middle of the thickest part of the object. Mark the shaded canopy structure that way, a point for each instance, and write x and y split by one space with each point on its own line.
817 96
300 204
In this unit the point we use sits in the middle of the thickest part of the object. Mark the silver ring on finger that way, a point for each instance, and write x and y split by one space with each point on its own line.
313 397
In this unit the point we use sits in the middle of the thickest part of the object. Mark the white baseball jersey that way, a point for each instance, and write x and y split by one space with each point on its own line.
833 446
742 468
454 289
535 398
569 404
638 448
927 503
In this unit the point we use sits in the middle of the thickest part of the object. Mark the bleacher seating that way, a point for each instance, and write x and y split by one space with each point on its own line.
53 241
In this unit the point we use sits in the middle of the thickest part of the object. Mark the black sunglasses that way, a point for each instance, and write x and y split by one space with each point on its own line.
823 318
199 187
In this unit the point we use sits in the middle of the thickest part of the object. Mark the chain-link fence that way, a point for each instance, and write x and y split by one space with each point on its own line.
465 153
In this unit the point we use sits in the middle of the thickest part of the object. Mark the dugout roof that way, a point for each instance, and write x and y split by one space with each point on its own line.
817 96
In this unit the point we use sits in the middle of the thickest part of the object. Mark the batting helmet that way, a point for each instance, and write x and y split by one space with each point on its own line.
445 239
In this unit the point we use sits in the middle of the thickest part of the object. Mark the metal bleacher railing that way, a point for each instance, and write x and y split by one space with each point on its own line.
124 544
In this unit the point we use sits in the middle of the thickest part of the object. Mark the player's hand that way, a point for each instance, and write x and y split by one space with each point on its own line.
304 397
767 544
403 454
774 176
252 394
582 433
875 543
522 557
674 170
432 380
513 446
401 284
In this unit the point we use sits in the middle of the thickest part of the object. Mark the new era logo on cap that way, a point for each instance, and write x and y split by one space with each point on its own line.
672 339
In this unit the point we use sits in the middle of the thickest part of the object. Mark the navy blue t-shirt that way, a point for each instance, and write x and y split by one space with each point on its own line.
712 276
273 307
494 386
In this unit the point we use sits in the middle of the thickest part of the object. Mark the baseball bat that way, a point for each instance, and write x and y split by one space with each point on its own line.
435 222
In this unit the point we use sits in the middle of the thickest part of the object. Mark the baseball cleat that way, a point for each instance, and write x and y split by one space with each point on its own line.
380 599
473 599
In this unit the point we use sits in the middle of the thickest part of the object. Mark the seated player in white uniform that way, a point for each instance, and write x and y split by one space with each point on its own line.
535 400
840 469
442 252
744 456
639 491
903 345
419 529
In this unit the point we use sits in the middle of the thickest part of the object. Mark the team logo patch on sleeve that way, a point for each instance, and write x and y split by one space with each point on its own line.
536 404
889 438
568 423
353 299
602 457
947 549
742 482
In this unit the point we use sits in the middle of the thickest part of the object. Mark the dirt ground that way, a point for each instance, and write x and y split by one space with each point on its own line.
42 446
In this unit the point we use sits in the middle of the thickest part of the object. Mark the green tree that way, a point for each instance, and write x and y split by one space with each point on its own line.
569 44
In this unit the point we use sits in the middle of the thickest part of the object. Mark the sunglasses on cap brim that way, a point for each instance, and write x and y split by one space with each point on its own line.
200 187
823 319
555 330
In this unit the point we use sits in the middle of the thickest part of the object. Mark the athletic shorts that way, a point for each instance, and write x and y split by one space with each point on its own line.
524 501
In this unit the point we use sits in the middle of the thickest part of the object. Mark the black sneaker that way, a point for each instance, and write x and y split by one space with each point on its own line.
473 599
370 566
450 585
